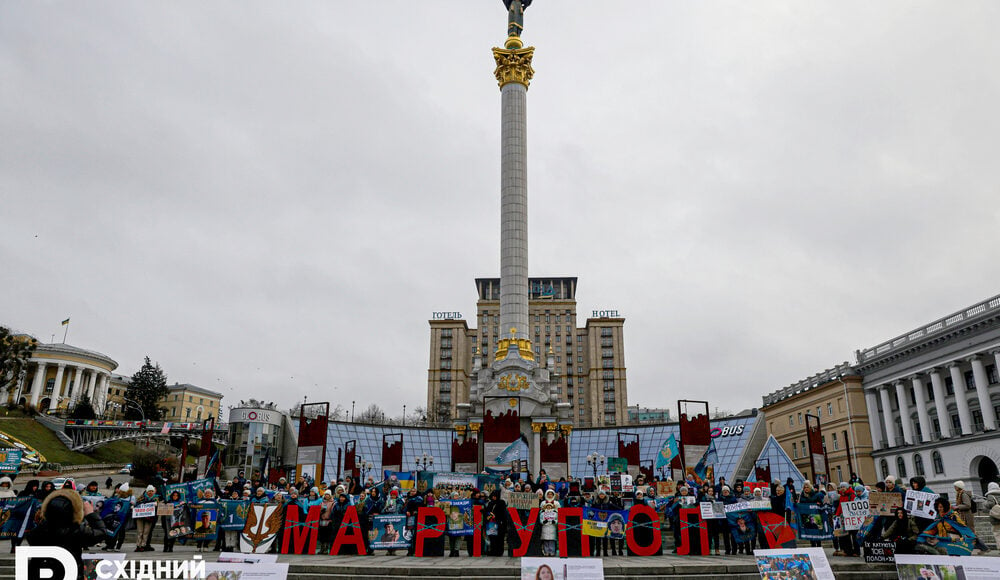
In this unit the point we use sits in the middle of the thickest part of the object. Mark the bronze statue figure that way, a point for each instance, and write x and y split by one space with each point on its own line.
515 16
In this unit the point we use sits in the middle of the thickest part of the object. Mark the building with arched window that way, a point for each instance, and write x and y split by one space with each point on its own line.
935 392
59 375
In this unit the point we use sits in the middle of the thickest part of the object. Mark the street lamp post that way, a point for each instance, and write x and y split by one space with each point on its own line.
423 461
352 411
594 460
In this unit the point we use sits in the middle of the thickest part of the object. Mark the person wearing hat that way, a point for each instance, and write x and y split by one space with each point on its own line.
993 508
601 502
6 488
144 526
495 523
548 516
115 530
259 497
68 522
963 504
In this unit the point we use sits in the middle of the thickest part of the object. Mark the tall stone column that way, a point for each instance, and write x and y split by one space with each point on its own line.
890 424
536 448
74 394
983 392
920 394
904 412
38 384
961 399
101 393
91 384
874 421
57 388
939 403
513 74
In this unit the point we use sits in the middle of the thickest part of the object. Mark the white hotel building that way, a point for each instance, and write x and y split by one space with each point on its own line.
933 397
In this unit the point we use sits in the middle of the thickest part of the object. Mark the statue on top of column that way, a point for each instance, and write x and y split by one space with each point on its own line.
515 16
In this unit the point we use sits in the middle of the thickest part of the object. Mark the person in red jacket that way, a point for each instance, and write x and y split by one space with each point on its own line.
848 542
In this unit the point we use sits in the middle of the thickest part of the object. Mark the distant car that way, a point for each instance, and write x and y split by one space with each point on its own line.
127 470
58 482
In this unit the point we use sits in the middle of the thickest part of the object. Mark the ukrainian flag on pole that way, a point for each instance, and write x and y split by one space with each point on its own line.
65 322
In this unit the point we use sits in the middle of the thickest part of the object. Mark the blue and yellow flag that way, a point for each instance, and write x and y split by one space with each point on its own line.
65 322
669 451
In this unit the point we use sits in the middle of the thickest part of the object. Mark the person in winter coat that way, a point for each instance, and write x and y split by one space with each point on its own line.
963 504
810 495
326 523
903 531
116 535
727 535
993 500
413 503
848 542
496 524
68 522
548 516
167 521
30 490
144 526
7 488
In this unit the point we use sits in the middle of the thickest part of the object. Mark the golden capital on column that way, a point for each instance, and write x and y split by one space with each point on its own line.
551 427
474 427
537 427
513 65
460 429
567 429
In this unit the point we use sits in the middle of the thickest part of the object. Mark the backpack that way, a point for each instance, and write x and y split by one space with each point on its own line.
995 510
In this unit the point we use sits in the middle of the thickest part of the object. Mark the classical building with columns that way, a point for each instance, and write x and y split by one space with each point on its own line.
59 374
836 398
933 397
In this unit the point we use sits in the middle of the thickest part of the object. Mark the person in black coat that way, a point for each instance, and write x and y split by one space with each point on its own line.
68 522
496 513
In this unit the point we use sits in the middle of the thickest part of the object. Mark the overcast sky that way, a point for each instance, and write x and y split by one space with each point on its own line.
270 198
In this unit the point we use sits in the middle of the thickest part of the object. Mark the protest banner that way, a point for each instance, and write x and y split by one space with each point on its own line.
562 568
404 480
116 511
446 483
666 488
264 520
793 563
488 483
855 513
178 522
146 510
921 567
883 503
879 551
713 510
206 520
763 486
920 504
233 514
521 500
95 501
617 465
17 513
387 532
458 516
10 461
164 509
255 571
742 525
814 522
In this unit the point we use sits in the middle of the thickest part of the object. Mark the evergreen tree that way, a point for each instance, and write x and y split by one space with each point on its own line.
148 387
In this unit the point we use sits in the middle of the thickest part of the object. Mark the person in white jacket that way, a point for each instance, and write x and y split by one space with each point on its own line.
548 516
6 488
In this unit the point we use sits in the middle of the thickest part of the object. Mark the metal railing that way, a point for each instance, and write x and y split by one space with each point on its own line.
807 383
987 306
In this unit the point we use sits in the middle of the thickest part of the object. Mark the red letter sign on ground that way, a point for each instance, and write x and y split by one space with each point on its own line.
302 535
699 526
349 533
477 531
654 518
425 532
563 528
523 532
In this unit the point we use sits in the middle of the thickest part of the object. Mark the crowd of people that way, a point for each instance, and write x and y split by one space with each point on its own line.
908 532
